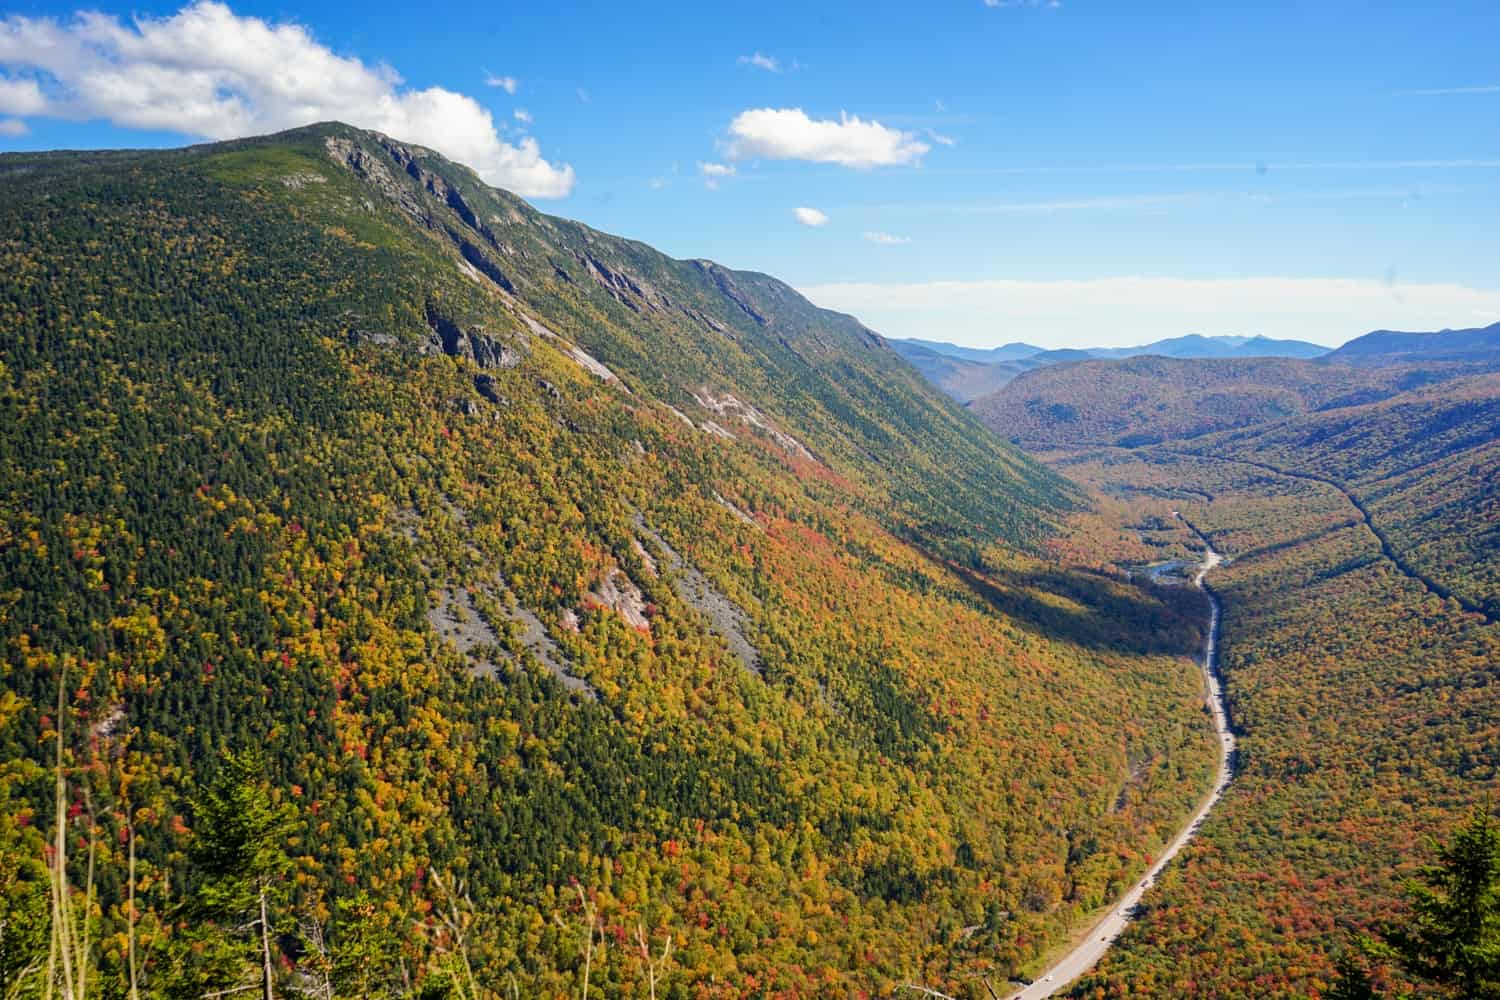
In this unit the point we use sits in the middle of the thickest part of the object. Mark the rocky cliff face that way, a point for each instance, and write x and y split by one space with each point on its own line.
633 317
529 555
474 345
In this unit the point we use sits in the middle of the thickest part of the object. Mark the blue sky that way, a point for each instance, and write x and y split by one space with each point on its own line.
1074 173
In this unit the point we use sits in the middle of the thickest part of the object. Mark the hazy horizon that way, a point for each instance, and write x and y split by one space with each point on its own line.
982 344
1080 346
1129 312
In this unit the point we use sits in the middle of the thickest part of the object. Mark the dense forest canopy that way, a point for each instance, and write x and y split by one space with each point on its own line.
559 618
1357 507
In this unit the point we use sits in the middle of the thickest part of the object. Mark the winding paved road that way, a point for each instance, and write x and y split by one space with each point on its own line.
1082 958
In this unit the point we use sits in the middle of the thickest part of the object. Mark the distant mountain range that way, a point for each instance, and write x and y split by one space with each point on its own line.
963 379
1153 396
1197 346
1389 347
984 355
967 373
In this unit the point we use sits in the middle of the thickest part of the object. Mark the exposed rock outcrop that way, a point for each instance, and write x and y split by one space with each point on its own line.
730 290
717 430
299 180
457 619
592 365
728 405
480 262
620 594
630 291
536 640
377 172
477 346
726 618
589 363
375 338
487 387
366 166
739 514
707 320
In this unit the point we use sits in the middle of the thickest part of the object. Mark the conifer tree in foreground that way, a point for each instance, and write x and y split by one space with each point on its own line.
1451 939
239 837
1352 980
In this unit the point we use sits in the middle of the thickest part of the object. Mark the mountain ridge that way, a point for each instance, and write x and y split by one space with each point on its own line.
534 561
966 374
1478 345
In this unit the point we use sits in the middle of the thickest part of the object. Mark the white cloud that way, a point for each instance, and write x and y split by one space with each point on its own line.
1120 311
886 239
1447 91
789 134
810 216
206 71
509 84
12 128
1243 166
522 115
713 173
767 63
21 97
939 138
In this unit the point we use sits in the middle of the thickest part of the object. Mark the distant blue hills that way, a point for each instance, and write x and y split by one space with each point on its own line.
966 373
1480 345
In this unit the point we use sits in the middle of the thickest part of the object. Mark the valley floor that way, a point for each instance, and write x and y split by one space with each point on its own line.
1363 706
1102 936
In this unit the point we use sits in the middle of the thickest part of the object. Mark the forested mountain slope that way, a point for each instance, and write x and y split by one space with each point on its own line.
606 586
1141 400
1419 462
1423 466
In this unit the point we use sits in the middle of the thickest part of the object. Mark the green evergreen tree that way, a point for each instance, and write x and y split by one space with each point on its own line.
365 950
1453 936
239 836
1352 979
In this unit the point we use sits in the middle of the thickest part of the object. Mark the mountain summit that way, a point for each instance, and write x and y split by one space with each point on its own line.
546 586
